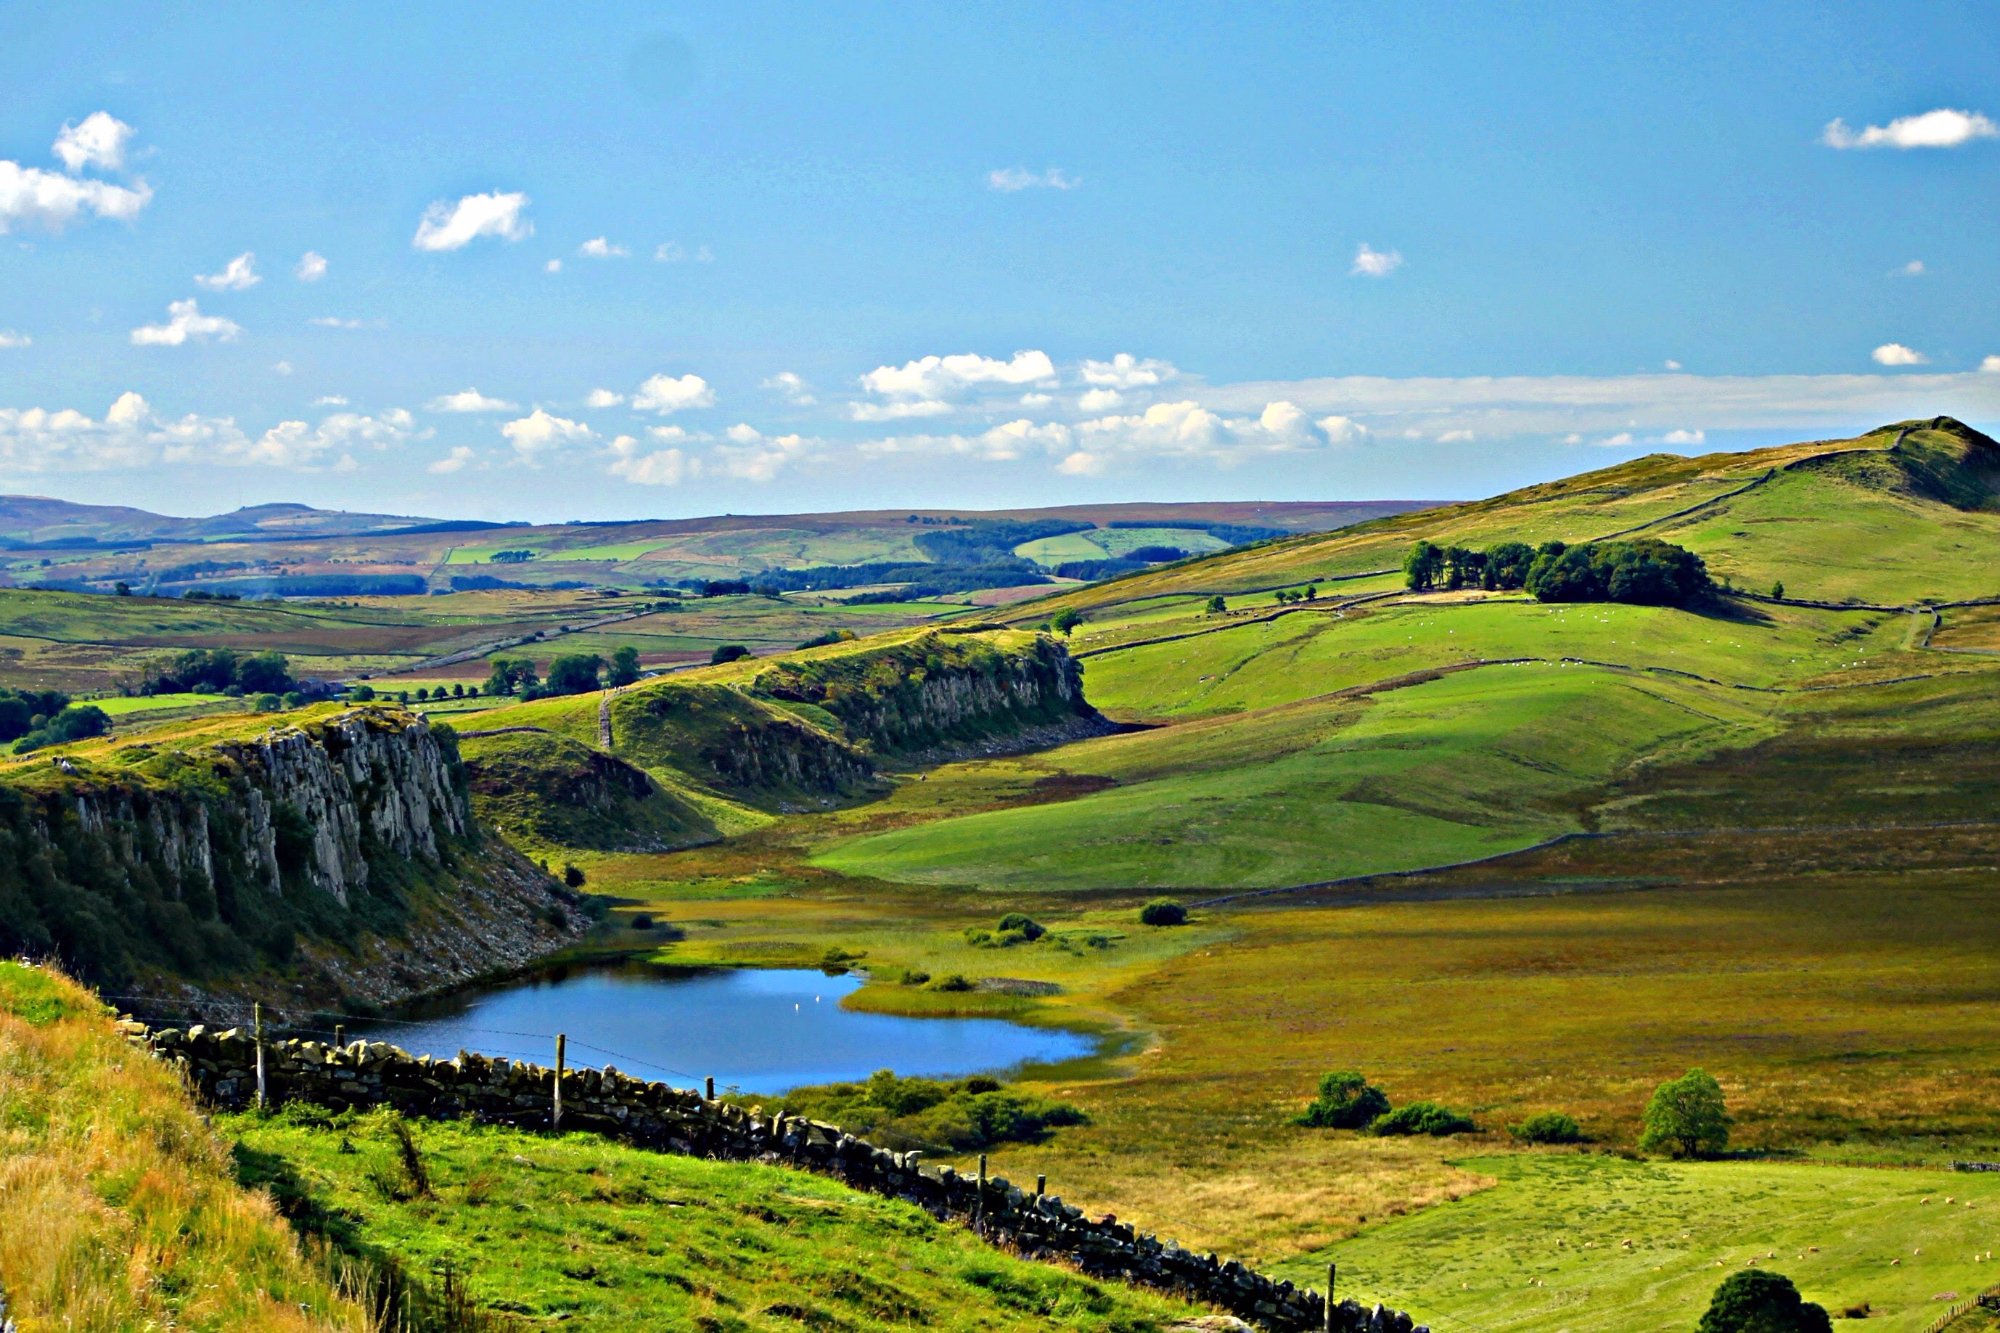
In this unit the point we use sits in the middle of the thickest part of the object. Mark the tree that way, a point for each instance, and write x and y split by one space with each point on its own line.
122 588
572 875
728 652
1163 912
575 673
624 666
1778 591
264 673
1756 1300
1686 1117
1346 1101
509 674
361 694
1216 605
458 689
1064 621
1424 566
1507 565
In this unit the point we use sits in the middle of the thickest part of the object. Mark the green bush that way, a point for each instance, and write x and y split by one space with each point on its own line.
951 981
1756 1300
1422 1118
728 652
1163 912
915 976
967 1115
1015 928
1346 1101
1549 1127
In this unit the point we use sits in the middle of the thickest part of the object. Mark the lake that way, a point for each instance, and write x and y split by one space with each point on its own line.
754 1029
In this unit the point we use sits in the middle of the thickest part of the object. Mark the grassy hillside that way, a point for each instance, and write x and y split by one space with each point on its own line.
118 1204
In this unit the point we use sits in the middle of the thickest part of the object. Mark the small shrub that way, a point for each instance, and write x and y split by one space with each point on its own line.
728 652
1346 1101
915 976
573 875
642 922
1422 1118
1163 912
951 981
1549 1127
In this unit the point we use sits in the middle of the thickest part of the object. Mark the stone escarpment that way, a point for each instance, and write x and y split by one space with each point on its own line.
222 1067
283 860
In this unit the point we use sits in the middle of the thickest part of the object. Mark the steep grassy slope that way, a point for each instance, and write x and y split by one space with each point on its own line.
584 1233
118 1206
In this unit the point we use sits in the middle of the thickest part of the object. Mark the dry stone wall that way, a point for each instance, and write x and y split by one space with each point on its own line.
222 1066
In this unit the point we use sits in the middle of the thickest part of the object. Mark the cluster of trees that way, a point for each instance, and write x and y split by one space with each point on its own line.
521 557
1287 597
30 719
220 671
966 1115
1015 928
1347 1100
569 673
1642 571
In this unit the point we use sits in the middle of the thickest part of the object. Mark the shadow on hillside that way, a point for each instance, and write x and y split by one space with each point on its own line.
1732 609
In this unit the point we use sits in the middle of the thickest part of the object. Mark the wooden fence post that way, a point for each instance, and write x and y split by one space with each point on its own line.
257 1018
555 1120
708 1087
1041 1186
339 1034
1332 1270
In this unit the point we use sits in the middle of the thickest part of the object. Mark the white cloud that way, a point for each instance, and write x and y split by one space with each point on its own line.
1685 437
657 467
673 252
282 367
131 434
1990 366
336 322
185 323
237 275
1187 431
939 377
897 411
1099 400
598 247
539 431
1125 371
1372 263
673 434
1011 180
1003 443
667 393
602 398
1342 430
1942 128
470 400
1466 437
9 338
31 197
330 400
553 266
1913 269
311 267
792 387
1037 399
455 461
754 456
447 226
1895 354
99 141
1618 441
1671 364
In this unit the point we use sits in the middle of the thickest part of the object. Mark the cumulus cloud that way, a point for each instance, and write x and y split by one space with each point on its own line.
449 226
1099 400
939 377
1942 128
132 434
1125 371
668 393
1007 442
1895 354
598 247
673 252
311 267
553 266
330 400
1466 437
792 387
1012 180
901 410
98 141
539 431
185 323
602 398
1990 366
31 197
1373 263
455 461
650 467
1671 364
1913 269
1342 430
470 400
281 367
238 274
1186 431
1685 437
753 456
10 339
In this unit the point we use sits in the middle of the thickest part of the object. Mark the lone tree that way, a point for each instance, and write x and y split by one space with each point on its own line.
1686 1117
624 666
1217 605
728 652
1064 621
1758 1301
1346 1101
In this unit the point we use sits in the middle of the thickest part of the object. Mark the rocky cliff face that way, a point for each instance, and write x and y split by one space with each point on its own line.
323 861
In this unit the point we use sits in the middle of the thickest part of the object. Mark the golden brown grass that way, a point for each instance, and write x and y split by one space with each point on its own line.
118 1208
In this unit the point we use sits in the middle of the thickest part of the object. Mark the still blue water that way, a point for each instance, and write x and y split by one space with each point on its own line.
758 1030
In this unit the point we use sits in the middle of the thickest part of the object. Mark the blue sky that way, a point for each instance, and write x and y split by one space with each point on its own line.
971 255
